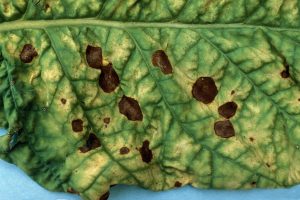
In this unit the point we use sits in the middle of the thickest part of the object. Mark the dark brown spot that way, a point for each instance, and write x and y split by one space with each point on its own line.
124 150
145 152
106 120
205 90
268 165
84 149
177 184
63 101
228 109
71 190
286 72
130 108
224 129
94 56
109 79
47 6
28 53
299 99
232 92
161 60
104 196
77 125
92 143
253 183
251 139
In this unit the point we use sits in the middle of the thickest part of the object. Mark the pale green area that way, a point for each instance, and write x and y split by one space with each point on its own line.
240 44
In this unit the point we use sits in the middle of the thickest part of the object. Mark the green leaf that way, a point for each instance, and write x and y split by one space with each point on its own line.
151 93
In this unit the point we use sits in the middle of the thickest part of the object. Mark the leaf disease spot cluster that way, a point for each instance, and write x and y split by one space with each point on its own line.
205 91
157 96
224 128
109 79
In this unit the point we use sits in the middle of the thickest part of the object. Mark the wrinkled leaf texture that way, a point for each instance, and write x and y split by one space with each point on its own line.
68 134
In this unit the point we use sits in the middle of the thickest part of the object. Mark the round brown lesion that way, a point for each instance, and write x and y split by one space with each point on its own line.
228 109
251 139
124 150
77 125
204 90
63 100
28 53
106 120
224 129
285 74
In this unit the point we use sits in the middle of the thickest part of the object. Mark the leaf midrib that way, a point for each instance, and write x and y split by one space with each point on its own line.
41 24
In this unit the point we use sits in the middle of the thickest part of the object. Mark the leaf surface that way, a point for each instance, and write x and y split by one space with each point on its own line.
151 93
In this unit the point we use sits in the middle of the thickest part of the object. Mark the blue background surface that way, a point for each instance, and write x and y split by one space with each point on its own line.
16 185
